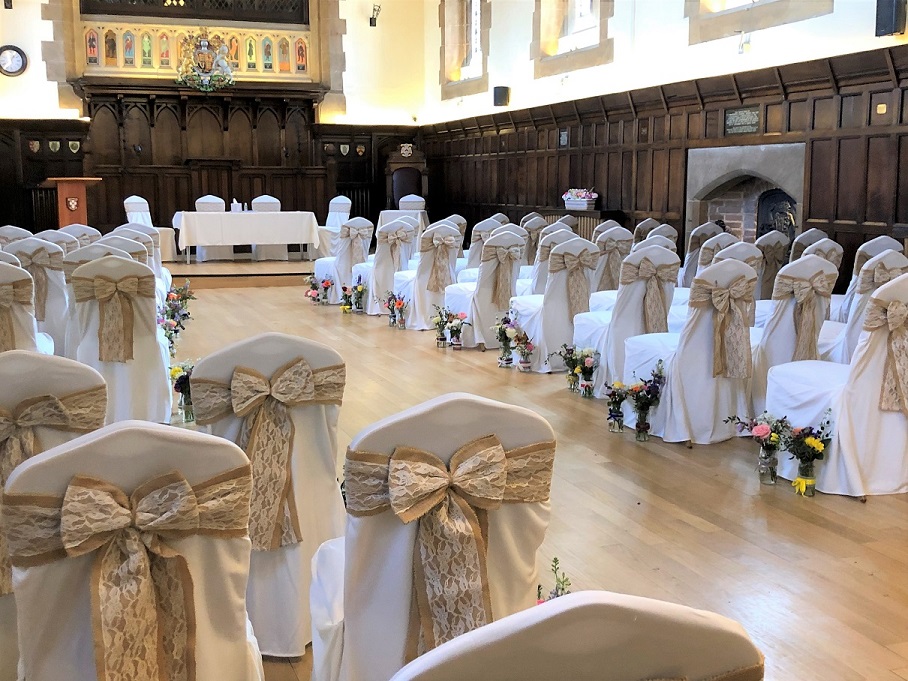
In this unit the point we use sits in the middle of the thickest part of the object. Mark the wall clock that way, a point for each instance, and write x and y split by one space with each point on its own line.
12 60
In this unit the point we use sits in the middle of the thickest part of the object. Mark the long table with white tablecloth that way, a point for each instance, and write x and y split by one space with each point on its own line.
236 229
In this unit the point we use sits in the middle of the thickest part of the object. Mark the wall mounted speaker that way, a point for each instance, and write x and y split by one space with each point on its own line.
501 95
890 16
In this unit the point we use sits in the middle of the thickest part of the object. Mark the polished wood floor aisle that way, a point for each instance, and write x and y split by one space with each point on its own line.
820 584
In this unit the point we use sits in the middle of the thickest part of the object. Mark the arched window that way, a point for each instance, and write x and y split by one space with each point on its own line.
570 35
465 46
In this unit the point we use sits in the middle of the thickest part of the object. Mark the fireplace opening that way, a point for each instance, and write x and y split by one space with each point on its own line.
776 211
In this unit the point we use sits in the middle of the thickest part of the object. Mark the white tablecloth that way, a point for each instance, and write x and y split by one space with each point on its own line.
387 216
231 229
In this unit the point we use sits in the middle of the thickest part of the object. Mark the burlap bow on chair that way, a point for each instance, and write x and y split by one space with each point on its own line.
394 241
451 586
79 412
479 236
696 241
612 251
578 282
871 280
506 256
12 293
832 254
892 315
797 249
532 246
116 316
359 242
773 260
143 611
37 263
440 275
707 253
655 306
267 434
805 293
734 309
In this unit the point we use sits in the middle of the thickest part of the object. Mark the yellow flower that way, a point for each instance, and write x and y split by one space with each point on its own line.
618 385
359 288
815 444
774 439
175 373
576 370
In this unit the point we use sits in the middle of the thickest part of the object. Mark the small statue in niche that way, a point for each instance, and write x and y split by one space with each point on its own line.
783 218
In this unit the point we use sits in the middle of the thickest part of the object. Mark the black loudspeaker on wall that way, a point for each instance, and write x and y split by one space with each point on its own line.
501 95
890 16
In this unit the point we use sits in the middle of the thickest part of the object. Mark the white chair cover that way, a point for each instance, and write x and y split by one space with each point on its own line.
85 234
698 393
656 240
643 228
268 204
471 274
869 446
393 241
18 328
279 578
774 247
461 223
548 319
67 242
56 611
667 231
826 249
607 331
9 259
359 630
743 251
489 297
711 246
603 226
352 247
529 216
501 218
9 234
338 213
614 246
26 376
840 347
802 301
697 238
880 244
136 250
438 254
157 263
540 273
481 232
804 239
533 223
570 220
212 204
596 636
513 229
44 260
137 210
412 202
138 388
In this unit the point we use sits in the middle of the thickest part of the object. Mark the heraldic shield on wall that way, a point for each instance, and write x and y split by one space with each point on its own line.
203 62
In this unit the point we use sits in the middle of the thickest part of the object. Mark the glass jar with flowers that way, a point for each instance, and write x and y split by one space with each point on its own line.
359 295
440 321
326 286
571 359
808 445
524 347
180 375
346 299
616 394
401 307
313 294
506 331
389 304
767 431
173 315
645 395
588 363
455 325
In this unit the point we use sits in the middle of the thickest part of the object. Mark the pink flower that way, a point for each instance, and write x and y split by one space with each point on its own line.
761 431
461 315
588 362
530 347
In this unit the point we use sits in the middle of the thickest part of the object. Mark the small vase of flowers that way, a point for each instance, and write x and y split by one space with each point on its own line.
808 445
589 362
180 375
571 358
313 294
645 395
440 322
524 347
326 286
768 431
506 331
455 325
359 294
346 302
616 394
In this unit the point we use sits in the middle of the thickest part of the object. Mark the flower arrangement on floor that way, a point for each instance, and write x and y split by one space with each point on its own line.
562 584
644 395
506 331
179 376
808 445
588 363
174 314
326 286
524 347
616 394
455 329
314 292
571 359
396 306
346 302
769 432
359 293
440 321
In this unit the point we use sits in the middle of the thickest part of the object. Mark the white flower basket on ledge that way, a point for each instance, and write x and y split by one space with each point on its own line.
580 204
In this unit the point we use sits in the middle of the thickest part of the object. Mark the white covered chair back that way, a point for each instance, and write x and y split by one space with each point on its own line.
534 227
529 216
378 633
711 246
774 247
598 636
603 226
541 265
743 251
210 204
555 227
278 397
570 220
18 328
156 238
9 234
9 259
137 210
170 472
667 231
657 240
67 242
481 231
438 248
572 266
351 248
643 228
412 202
394 243
86 254
461 223
502 254
127 232
697 238
826 249
44 261
266 204
802 291
501 218
136 250
513 229
117 333
614 246
864 253
85 234
338 211
804 239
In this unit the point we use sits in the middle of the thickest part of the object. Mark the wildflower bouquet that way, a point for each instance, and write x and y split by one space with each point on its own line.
562 584
506 331
808 445
313 293
571 359
455 325
395 306
589 362
346 302
179 376
645 395
174 314
440 320
326 286
524 347
616 394
359 292
768 431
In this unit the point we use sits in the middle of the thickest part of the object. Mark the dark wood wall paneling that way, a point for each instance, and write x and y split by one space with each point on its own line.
850 111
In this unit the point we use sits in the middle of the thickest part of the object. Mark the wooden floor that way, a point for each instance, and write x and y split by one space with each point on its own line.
820 584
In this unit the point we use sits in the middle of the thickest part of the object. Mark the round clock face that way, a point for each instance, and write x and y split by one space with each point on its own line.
12 60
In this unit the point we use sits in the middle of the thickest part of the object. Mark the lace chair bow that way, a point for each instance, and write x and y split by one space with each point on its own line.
697 240
833 255
394 240
655 307
707 253
479 236
79 412
805 292
797 249
440 275
266 435
37 263
116 318
359 242
532 242
734 310
12 293
451 587
614 251
143 615
894 316
578 284
773 260
501 286
871 280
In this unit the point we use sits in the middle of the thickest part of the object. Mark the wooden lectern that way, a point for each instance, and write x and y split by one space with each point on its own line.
71 203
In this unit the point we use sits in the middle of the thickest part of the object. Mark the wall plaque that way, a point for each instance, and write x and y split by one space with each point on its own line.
744 121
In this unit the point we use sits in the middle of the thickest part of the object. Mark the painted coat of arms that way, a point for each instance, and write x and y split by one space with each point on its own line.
203 62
